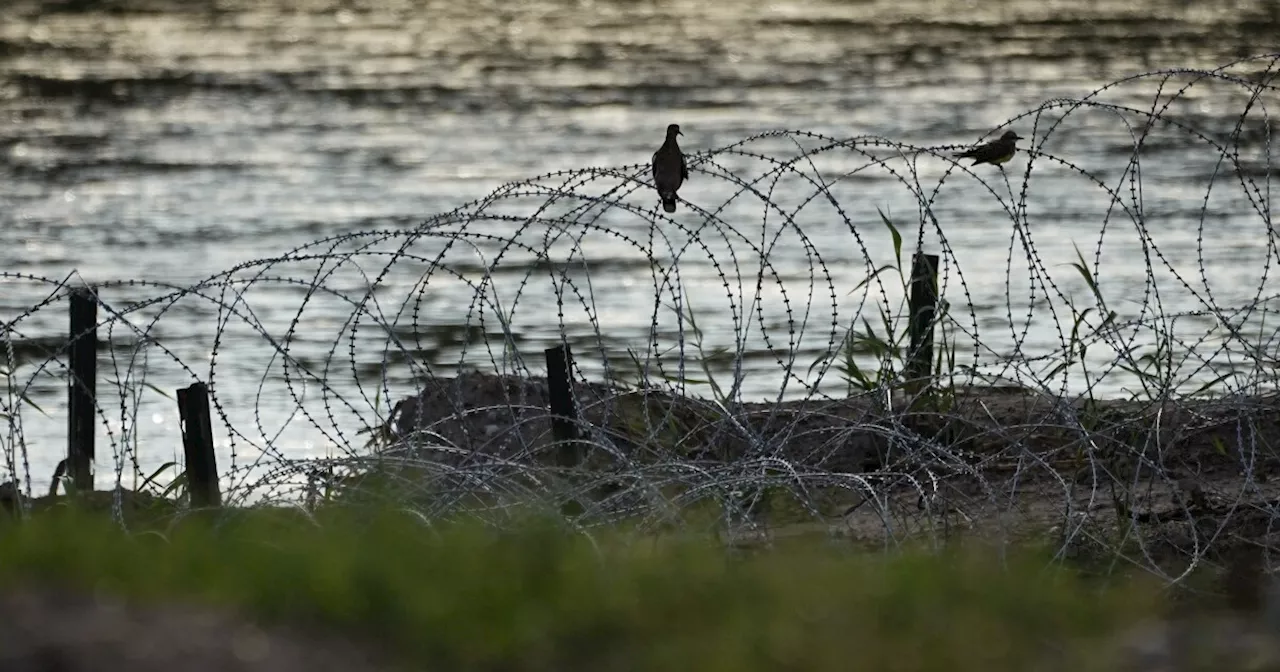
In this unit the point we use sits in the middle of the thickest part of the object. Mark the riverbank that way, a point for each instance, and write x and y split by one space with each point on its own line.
991 559
1176 473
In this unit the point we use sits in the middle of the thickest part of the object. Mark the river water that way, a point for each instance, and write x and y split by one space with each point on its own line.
152 145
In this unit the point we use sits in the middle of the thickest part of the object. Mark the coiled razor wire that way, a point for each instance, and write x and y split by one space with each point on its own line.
739 365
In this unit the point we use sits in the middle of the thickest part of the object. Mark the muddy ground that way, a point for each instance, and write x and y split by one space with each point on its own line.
1170 479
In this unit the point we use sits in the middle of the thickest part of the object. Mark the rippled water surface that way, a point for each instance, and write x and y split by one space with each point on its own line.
166 144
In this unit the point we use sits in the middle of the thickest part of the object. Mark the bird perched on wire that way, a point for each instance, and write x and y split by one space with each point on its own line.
669 169
995 152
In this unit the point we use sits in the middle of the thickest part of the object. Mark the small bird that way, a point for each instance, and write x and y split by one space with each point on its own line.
995 152
669 169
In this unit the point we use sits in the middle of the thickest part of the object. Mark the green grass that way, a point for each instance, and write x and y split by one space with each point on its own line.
466 598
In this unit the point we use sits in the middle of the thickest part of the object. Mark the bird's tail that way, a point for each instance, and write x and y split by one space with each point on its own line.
669 204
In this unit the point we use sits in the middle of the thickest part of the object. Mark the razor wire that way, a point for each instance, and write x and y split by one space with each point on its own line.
766 395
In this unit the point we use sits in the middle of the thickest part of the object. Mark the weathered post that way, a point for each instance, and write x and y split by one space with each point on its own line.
923 304
197 443
82 379
564 410
564 419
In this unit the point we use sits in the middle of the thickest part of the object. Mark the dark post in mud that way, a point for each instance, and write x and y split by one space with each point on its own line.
923 304
82 379
197 443
564 417
564 410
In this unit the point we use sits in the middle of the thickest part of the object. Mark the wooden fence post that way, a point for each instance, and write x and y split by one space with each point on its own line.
197 443
564 410
82 385
564 418
923 304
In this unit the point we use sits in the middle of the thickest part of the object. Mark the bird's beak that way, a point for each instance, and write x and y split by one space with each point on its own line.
678 132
